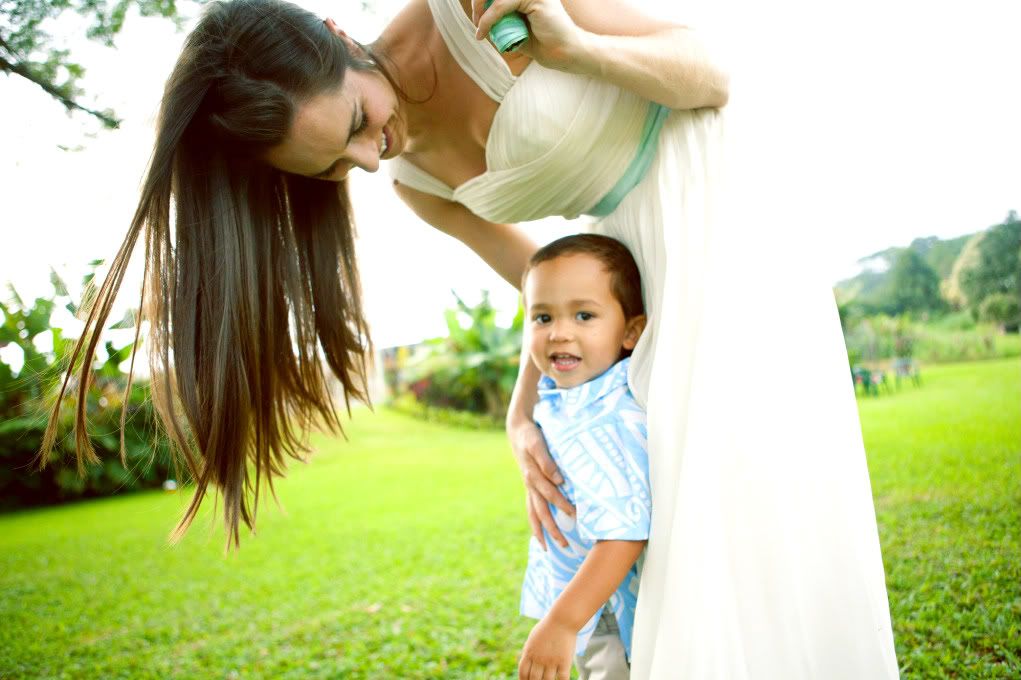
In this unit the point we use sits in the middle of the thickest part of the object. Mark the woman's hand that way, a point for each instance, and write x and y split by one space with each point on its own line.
541 478
554 39
548 652
612 40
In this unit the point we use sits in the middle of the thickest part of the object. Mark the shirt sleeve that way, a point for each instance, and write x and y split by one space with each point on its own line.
612 490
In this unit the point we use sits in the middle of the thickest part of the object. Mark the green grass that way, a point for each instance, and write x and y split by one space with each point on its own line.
401 553
944 460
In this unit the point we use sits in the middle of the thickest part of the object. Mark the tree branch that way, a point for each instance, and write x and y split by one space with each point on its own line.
23 71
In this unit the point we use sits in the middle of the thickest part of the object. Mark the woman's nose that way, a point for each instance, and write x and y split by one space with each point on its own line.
365 155
367 158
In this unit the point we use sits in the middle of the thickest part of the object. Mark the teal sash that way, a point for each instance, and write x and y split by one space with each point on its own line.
639 164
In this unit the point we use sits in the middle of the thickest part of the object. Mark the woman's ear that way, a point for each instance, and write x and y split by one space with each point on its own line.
633 331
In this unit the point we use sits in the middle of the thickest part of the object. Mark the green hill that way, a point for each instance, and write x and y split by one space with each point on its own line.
869 284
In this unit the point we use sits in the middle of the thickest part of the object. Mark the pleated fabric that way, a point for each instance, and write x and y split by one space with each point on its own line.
764 559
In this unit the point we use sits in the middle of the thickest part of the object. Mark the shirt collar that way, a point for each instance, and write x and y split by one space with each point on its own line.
587 393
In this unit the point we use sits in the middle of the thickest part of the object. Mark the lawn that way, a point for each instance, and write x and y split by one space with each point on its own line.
945 461
400 555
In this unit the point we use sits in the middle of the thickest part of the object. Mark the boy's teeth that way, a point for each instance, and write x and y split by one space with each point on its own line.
565 361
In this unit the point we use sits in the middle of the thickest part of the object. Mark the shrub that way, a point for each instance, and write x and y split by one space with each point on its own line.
956 338
1001 309
27 392
472 369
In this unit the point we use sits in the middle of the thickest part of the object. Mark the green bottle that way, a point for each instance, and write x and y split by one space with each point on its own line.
509 32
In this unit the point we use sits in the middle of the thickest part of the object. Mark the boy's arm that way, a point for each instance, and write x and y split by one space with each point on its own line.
550 645
600 574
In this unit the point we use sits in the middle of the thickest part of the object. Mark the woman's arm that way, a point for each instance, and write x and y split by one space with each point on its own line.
506 249
612 40
503 247
670 67
550 645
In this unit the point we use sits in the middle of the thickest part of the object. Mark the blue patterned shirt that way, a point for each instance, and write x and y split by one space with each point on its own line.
597 436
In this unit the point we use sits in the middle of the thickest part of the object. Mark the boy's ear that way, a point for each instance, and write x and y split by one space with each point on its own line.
633 331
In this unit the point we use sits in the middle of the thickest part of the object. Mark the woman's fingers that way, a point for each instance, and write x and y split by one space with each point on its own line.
540 456
551 493
478 7
541 476
485 18
535 447
546 519
534 523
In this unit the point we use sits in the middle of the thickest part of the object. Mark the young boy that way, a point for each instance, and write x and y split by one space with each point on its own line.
583 298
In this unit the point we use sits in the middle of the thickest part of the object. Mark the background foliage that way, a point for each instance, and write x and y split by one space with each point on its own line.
968 269
27 49
27 393
937 301
472 369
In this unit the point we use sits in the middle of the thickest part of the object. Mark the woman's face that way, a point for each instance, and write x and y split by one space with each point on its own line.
351 126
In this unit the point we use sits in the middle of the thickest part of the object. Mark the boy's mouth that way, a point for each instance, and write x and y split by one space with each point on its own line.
564 362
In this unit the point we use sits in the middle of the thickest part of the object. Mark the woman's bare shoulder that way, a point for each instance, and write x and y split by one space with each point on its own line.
413 21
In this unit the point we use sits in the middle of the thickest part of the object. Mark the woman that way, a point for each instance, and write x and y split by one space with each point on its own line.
764 560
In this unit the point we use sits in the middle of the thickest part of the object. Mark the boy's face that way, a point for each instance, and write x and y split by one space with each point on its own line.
576 328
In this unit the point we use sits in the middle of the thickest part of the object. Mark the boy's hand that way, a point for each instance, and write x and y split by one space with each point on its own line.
548 652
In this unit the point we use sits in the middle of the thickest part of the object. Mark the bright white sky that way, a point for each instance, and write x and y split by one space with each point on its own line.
866 124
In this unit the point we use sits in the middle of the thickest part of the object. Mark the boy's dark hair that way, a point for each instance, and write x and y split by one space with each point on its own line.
626 282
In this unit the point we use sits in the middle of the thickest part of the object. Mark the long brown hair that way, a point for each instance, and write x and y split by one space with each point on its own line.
250 276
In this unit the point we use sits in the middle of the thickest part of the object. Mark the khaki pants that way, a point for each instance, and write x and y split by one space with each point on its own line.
604 657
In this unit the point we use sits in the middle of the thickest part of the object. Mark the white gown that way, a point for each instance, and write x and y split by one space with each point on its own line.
764 559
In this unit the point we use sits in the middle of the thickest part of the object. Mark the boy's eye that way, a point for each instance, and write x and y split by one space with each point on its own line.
584 316
541 318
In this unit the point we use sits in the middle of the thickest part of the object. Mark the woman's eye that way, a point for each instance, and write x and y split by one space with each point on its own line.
362 125
583 316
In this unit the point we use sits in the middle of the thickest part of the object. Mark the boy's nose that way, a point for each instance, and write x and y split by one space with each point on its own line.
559 332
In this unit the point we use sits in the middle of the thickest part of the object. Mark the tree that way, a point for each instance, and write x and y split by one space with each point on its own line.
1001 309
952 290
998 268
990 264
26 49
914 286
